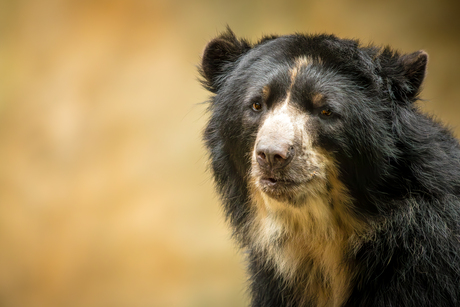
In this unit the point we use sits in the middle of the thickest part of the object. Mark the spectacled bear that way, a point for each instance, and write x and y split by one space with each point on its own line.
342 192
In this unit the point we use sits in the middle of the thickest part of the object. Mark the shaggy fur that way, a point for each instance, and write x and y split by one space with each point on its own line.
342 192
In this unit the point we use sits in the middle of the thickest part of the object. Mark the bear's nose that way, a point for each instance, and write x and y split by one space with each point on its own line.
274 155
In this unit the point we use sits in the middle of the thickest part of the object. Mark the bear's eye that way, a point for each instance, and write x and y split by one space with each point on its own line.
326 112
257 106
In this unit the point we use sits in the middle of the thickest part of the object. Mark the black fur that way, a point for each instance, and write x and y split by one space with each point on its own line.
401 167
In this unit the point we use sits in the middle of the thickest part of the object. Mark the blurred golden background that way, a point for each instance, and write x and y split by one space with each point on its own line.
104 195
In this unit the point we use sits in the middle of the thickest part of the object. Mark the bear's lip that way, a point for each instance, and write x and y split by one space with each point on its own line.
282 188
274 182
277 187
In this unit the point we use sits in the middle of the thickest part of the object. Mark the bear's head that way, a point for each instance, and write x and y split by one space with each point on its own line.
302 116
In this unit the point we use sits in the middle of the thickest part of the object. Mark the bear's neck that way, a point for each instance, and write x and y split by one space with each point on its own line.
307 244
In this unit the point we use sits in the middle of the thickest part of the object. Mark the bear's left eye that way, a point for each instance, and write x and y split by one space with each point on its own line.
326 112
257 106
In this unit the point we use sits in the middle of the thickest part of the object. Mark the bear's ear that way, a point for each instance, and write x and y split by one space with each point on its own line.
219 57
414 66
406 75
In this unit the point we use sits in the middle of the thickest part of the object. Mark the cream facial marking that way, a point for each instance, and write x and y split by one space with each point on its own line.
317 99
265 92
298 64
282 118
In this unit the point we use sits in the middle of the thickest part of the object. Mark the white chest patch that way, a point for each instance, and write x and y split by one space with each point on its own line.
307 246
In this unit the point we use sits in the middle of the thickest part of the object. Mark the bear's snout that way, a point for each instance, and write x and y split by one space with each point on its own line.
274 154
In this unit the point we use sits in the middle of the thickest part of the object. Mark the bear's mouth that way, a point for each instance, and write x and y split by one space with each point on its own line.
274 183
277 187
285 188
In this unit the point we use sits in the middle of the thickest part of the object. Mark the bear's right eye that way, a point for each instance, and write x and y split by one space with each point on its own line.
257 106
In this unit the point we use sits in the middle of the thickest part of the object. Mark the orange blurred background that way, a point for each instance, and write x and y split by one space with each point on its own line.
104 195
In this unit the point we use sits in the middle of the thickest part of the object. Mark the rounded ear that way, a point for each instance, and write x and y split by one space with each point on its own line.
219 58
404 73
414 67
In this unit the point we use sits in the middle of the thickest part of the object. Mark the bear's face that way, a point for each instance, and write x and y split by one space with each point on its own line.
296 114
297 117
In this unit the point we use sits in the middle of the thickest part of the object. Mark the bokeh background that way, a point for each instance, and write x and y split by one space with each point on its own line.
104 195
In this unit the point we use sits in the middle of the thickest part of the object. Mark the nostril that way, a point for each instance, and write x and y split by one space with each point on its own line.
262 159
279 157
261 155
